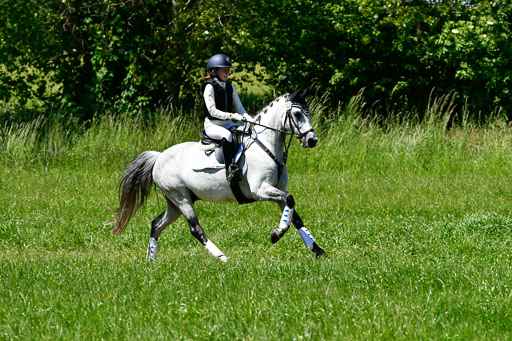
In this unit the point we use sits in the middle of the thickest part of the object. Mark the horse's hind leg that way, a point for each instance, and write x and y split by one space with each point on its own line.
158 225
185 205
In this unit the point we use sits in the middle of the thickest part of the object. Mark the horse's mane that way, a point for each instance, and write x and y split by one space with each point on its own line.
267 108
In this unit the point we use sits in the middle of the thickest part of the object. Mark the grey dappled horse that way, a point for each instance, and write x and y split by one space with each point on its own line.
185 174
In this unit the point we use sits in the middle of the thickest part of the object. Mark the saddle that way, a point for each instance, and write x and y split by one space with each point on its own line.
210 145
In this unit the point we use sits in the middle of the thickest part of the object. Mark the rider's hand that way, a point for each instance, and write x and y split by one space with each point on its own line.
237 117
249 118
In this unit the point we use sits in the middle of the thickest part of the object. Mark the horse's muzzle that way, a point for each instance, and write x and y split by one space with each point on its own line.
309 140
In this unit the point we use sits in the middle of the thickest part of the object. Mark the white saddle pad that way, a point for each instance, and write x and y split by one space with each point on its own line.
206 162
210 162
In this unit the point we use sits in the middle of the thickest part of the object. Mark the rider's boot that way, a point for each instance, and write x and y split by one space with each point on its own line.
233 172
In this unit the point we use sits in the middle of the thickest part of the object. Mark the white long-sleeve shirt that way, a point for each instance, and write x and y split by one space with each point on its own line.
221 117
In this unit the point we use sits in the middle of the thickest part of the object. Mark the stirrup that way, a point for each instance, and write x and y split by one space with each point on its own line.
234 173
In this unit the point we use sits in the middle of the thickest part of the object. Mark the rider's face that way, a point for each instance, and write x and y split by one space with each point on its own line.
223 73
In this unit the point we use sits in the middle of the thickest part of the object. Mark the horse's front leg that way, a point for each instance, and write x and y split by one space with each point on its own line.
288 208
307 237
287 204
288 216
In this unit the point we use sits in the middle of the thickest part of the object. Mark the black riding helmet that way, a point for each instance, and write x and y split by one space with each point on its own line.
216 61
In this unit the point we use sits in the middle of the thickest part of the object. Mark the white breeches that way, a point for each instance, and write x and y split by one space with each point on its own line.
220 132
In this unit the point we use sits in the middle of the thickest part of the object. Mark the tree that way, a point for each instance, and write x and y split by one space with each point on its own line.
114 52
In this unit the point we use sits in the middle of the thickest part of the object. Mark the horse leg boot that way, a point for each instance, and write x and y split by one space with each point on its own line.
310 242
233 173
286 219
198 232
306 236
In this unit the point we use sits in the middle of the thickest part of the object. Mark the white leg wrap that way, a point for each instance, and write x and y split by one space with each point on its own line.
214 250
286 219
307 237
152 249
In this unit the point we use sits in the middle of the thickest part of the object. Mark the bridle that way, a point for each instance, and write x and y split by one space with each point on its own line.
293 124
288 118
295 131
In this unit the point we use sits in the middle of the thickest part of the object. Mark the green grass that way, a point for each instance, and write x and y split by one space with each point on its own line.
415 218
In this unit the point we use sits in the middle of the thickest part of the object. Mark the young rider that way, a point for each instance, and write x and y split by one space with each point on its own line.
221 105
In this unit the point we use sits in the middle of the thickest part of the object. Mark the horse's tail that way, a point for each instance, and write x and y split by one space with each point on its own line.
134 188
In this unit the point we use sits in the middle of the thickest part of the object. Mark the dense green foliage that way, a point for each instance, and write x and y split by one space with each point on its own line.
416 220
126 53
83 56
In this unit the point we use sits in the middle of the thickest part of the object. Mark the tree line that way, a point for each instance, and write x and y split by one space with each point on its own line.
85 56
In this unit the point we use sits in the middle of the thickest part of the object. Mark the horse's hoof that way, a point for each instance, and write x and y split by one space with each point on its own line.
223 259
321 254
275 236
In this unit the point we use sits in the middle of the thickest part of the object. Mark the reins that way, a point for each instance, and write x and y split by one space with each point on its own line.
267 127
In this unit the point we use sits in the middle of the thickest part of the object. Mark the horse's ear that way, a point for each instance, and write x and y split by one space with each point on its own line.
296 94
306 90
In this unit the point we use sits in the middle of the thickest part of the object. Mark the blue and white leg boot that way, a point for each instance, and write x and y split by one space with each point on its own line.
307 237
286 219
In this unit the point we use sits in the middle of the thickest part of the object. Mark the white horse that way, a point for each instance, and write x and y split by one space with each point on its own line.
186 174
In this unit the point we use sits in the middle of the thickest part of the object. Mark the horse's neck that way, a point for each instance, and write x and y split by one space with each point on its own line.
270 138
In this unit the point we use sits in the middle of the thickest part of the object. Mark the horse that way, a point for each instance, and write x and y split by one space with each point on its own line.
185 173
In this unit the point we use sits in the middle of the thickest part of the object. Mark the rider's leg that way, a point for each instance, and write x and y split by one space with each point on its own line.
223 134
233 172
218 132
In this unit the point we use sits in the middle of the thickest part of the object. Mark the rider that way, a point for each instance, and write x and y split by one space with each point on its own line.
221 105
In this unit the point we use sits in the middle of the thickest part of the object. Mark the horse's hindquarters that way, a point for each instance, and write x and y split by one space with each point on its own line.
176 173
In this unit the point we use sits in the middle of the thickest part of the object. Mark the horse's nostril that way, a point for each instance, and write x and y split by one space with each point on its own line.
312 142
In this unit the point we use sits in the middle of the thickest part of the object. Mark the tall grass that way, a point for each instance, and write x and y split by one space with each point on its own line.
352 132
105 139
439 142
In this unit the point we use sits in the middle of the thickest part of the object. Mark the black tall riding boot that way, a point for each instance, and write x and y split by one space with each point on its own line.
233 173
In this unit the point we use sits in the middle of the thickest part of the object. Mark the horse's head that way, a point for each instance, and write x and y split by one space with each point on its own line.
298 119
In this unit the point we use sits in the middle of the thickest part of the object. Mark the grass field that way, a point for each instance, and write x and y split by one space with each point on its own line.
415 218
